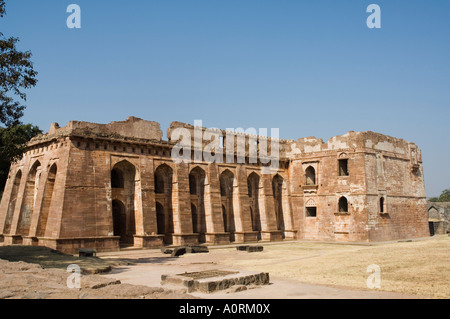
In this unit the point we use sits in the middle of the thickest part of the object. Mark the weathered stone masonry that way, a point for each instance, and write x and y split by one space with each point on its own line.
110 185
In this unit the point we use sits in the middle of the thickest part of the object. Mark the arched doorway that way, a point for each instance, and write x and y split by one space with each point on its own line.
163 194
160 222
48 196
197 192
29 198
253 195
12 202
124 178
120 221
226 193
194 219
225 219
277 188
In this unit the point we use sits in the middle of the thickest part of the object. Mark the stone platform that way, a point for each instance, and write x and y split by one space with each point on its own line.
214 280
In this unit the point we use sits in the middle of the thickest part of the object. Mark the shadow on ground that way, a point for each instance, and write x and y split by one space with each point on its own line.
49 258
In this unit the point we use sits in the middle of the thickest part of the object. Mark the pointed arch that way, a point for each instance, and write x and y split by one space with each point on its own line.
123 200
343 205
47 200
163 179
125 169
310 175
382 210
227 181
277 190
29 199
12 202
253 181
197 178
310 202
433 213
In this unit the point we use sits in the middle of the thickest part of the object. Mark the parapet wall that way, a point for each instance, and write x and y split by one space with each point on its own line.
132 128
358 140
138 129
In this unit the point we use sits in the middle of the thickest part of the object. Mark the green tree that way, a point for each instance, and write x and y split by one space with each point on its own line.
16 75
12 143
445 196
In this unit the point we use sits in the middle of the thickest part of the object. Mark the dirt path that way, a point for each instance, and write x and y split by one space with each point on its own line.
148 266
413 269
44 276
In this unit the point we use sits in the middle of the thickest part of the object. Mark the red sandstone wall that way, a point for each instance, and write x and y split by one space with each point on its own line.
80 209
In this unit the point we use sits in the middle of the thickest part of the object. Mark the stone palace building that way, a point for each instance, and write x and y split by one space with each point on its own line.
107 186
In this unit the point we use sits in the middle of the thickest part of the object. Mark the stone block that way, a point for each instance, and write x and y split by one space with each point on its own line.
167 251
178 251
87 252
252 249
196 249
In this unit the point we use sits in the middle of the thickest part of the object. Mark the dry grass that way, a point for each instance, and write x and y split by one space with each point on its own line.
418 267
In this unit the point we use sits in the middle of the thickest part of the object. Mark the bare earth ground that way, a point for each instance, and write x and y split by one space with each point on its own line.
40 273
413 269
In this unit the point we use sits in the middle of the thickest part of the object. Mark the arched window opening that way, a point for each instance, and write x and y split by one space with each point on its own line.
311 211
310 174
12 202
343 205
343 167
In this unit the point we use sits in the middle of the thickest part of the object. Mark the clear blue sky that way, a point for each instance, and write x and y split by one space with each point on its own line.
310 68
